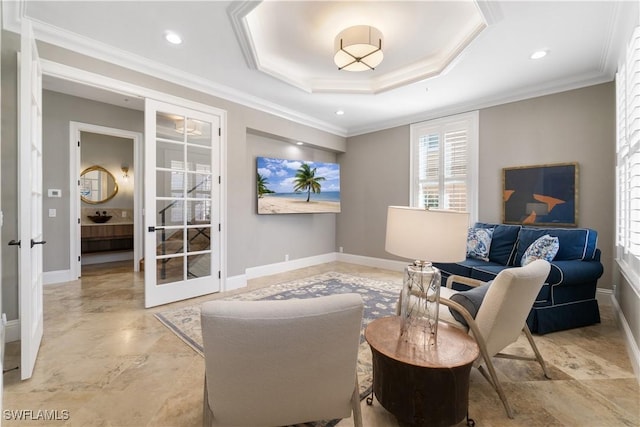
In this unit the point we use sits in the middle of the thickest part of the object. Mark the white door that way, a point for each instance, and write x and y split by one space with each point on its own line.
182 203
30 201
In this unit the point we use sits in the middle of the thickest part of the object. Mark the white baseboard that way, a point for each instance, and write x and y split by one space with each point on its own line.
240 281
282 267
99 258
604 296
59 276
632 347
386 264
12 330
235 282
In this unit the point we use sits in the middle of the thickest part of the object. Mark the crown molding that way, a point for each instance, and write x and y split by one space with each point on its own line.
12 11
586 80
237 12
101 51
421 69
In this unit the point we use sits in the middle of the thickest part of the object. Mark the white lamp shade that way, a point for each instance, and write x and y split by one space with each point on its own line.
427 235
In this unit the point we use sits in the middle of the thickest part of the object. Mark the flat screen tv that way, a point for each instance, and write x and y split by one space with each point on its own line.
297 186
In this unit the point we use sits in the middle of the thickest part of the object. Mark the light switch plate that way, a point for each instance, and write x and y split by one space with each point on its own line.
54 192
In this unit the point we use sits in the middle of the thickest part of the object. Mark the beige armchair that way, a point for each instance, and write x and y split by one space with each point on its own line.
277 363
501 317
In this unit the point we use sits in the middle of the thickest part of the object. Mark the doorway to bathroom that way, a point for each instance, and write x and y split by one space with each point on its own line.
108 199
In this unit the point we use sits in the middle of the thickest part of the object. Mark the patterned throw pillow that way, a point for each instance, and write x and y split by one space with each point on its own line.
545 247
479 242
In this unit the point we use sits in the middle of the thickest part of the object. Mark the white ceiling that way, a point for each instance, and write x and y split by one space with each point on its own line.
271 56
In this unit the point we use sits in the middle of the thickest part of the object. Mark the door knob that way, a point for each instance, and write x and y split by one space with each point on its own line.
14 243
42 242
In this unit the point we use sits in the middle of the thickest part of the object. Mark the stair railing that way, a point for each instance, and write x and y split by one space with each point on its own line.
163 240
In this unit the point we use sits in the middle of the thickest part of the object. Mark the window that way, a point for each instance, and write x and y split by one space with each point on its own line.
628 161
444 158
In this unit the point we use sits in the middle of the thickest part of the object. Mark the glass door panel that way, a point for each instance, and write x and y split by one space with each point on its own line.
185 162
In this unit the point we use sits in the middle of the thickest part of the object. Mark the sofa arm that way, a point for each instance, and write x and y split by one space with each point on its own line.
574 272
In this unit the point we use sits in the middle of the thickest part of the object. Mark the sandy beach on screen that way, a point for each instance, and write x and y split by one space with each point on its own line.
269 205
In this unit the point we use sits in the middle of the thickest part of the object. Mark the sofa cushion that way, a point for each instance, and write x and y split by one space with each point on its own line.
479 242
575 243
544 247
462 268
470 300
503 242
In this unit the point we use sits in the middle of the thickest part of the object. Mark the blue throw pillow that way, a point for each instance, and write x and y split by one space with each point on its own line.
470 300
479 243
545 247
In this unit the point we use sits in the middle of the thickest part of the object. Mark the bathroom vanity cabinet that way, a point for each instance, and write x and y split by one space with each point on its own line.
106 237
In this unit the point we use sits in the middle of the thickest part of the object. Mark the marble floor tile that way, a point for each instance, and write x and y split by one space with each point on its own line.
107 361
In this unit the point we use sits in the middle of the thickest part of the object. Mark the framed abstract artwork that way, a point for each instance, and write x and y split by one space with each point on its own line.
541 195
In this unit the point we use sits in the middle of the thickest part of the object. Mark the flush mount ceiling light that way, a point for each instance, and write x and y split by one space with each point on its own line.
358 48
192 127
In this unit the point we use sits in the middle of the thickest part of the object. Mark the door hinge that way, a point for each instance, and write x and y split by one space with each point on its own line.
219 179
78 220
219 275
78 143
78 258
219 132
78 183
219 227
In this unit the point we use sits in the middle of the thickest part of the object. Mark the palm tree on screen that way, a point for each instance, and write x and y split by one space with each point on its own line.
262 185
306 179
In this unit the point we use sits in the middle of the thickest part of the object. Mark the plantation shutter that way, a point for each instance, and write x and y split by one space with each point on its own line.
628 157
455 168
442 166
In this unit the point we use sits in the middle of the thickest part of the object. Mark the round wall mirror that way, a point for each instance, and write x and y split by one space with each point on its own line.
97 185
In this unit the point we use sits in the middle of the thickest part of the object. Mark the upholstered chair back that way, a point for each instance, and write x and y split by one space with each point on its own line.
276 363
507 303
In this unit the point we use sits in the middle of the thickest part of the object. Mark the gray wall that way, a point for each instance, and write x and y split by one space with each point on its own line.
296 235
58 110
299 236
111 153
573 126
9 169
375 174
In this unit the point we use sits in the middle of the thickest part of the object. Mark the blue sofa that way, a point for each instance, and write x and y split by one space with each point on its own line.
568 298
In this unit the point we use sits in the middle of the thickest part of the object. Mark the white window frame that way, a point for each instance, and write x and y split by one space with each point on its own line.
627 237
470 121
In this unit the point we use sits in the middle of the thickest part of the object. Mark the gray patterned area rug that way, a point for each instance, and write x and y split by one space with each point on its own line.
379 298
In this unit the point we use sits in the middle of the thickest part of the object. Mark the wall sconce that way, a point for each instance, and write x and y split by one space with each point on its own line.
125 173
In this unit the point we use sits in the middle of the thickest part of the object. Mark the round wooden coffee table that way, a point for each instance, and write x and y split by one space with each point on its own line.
421 384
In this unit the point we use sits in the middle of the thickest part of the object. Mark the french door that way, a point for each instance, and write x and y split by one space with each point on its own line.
182 203
30 201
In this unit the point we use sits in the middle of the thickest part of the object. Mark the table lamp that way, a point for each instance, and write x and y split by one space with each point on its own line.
425 236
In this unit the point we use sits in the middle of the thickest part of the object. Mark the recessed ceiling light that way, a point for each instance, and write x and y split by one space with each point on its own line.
339 113
299 143
539 54
172 37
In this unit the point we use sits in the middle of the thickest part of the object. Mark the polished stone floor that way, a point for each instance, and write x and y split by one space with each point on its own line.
108 362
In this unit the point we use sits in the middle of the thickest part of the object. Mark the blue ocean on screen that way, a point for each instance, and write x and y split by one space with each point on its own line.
326 196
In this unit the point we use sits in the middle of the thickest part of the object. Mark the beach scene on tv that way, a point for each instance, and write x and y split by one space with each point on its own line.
297 186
